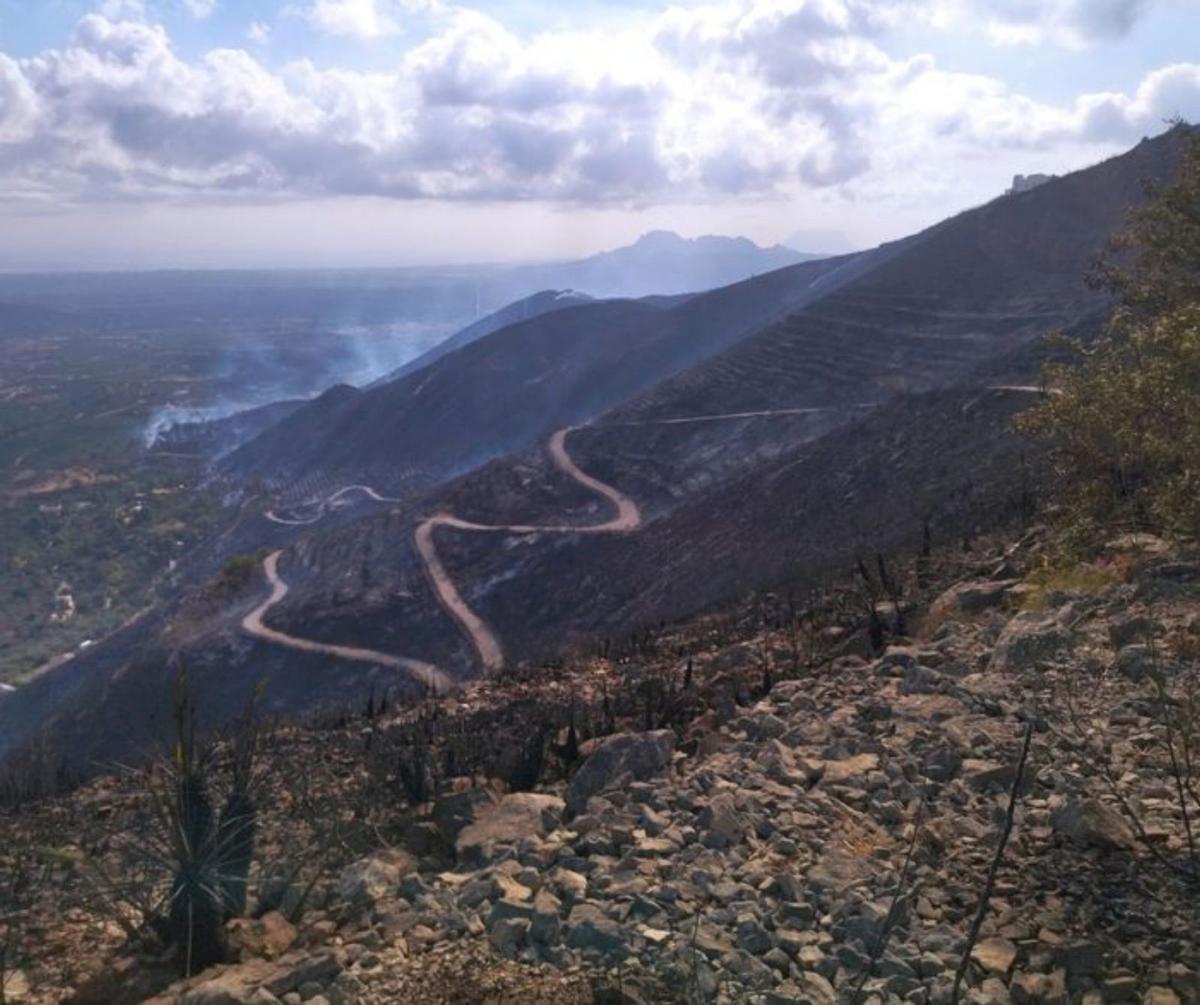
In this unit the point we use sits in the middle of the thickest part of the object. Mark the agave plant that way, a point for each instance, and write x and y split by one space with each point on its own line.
209 852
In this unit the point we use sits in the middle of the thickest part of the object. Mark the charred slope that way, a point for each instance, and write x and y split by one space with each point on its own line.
971 288
509 389
214 438
521 310
735 502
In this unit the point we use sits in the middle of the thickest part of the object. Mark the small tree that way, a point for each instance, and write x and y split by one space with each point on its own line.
1124 417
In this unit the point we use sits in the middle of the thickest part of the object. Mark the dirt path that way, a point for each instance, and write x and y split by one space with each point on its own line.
324 504
252 624
627 518
720 416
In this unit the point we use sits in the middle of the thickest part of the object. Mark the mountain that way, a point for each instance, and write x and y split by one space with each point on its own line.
504 392
770 431
216 437
520 310
659 262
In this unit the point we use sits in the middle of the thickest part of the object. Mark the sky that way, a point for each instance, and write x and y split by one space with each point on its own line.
303 133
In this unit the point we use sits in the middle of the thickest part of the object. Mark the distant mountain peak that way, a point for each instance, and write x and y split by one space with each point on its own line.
670 239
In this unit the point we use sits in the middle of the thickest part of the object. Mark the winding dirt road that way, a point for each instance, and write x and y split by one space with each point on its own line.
627 518
252 624
324 504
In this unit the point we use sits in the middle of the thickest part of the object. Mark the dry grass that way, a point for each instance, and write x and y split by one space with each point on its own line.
1082 577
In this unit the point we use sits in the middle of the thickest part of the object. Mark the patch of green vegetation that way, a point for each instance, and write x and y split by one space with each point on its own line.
1123 421
1077 577
80 562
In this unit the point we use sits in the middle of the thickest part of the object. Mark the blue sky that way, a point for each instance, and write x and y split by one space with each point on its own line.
142 133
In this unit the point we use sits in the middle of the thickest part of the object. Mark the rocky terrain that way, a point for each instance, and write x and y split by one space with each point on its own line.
811 810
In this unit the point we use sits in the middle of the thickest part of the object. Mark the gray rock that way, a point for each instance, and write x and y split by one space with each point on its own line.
639 755
591 931
1029 642
943 763
1089 822
509 936
723 824
1136 660
375 877
457 810
751 936
546 927
513 819
971 597
920 680
1135 628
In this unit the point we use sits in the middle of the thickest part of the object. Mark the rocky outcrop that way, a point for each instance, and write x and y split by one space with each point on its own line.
515 818
1030 641
638 756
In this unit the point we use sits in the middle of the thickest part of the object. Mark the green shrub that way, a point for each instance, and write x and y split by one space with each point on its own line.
1123 419
1125 428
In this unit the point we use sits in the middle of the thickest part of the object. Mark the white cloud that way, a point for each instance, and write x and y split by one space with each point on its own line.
361 18
259 32
200 9
366 19
736 99
118 9
1074 23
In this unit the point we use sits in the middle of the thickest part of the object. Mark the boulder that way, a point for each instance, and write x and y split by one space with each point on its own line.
1090 823
723 824
994 956
971 597
514 818
268 937
262 981
591 931
813 989
545 926
1028 642
639 755
943 763
509 936
1135 660
375 877
453 812
1039 989
752 936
